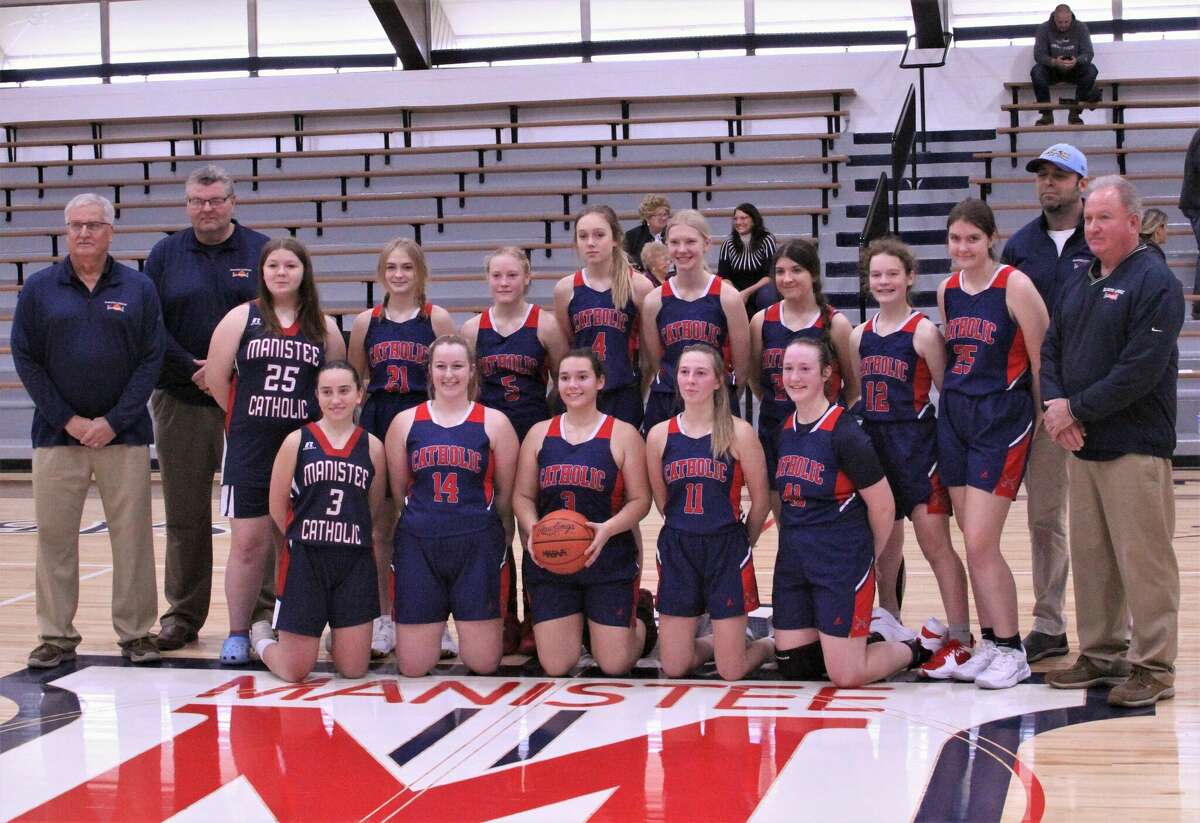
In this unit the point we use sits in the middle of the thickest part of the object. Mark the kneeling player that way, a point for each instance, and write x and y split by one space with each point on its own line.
698 461
328 479
836 509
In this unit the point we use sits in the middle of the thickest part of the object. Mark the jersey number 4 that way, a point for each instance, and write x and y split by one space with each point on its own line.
445 487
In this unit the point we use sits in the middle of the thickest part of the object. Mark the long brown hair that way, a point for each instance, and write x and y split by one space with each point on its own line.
308 305
454 340
980 215
420 268
804 254
621 272
722 425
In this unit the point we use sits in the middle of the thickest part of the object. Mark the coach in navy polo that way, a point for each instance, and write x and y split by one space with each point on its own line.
200 272
1052 250
1110 364
87 340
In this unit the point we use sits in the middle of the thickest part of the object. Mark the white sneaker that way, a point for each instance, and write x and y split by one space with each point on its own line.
889 628
260 630
981 658
449 645
329 641
946 661
383 636
933 634
1008 668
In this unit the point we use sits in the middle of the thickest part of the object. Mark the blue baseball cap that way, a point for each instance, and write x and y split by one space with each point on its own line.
1063 155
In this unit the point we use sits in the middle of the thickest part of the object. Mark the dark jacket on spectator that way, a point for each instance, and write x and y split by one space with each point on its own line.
1111 352
1032 250
1075 42
1189 196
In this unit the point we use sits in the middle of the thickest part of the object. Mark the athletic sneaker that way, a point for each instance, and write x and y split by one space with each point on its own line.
945 661
889 628
1008 668
449 645
383 636
260 630
981 658
645 611
933 634
328 643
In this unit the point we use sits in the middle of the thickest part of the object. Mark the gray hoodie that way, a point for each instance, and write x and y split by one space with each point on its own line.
1075 42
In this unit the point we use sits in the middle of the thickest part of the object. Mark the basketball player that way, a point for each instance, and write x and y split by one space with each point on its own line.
804 311
897 356
593 463
995 321
598 307
518 346
451 461
388 347
327 481
693 306
837 513
262 371
698 462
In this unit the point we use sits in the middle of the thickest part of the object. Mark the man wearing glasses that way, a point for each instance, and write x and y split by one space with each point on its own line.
87 340
200 272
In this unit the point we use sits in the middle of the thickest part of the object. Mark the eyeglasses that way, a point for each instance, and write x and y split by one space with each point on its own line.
211 202
92 226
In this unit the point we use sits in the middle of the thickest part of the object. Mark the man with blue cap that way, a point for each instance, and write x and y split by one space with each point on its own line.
1050 249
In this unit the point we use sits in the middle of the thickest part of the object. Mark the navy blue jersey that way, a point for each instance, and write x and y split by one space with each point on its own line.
610 332
683 323
985 349
450 475
704 494
274 391
514 370
582 477
821 466
895 378
397 353
776 336
330 504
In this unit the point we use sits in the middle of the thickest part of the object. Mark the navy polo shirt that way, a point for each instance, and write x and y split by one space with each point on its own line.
88 353
197 285
1032 250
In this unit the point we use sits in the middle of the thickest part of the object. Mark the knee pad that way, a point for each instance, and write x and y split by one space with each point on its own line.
802 663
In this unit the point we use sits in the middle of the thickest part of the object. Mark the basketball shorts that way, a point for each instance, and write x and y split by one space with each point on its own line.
382 407
623 403
605 592
525 417
768 436
319 585
908 453
711 573
984 441
824 579
240 500
463 574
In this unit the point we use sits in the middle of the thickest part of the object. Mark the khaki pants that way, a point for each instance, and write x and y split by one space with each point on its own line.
1046 484
1122 524
190 442
61 478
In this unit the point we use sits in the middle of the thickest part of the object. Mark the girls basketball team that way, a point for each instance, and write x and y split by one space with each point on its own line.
407 517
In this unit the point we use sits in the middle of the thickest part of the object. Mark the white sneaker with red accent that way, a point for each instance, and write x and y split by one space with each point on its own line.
946 661
933 634
981 657
889 628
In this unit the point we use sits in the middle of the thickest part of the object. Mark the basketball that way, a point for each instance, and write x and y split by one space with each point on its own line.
559 539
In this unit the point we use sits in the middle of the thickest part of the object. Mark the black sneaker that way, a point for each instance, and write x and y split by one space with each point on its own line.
141 650
645 613
47 656
1039 645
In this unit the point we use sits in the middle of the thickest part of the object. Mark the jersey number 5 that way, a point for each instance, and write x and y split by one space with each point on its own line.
512 392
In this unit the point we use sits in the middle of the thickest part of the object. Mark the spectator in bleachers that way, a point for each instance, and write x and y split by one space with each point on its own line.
1109 369
1154 231
745 258
656 262
87 341
200 272
1062 53
1051 249
1189 204
655 211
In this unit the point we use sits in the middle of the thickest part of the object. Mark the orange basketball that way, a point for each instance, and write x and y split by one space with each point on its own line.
559 539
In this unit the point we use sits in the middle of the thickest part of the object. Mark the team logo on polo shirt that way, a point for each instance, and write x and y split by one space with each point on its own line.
1112 294
239 273
115 305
